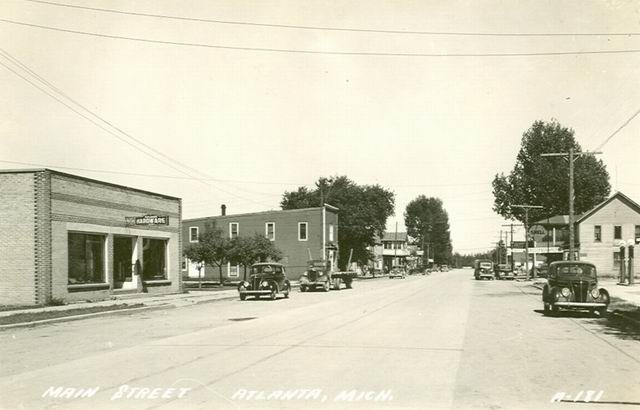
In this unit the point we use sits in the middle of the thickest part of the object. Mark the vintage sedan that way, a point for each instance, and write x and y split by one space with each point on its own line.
397 272
574 285
483 268
266 279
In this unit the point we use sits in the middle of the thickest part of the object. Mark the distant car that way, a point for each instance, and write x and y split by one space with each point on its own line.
266 279
397 272
483 269
503 271
574 285
444 268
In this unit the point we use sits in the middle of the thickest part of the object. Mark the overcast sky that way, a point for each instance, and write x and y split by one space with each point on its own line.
259 122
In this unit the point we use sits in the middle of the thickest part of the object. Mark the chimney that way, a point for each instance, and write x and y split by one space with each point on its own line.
223 209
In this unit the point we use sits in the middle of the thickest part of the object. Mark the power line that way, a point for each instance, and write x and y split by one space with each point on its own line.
105 171
328 28
9 57
301 51
618 130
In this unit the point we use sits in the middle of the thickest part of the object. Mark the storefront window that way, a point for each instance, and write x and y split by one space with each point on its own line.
86 258
154 266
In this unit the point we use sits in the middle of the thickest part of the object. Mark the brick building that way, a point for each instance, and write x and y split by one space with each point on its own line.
298 233
71 238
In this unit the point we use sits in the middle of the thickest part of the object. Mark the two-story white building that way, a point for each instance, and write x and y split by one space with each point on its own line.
601 230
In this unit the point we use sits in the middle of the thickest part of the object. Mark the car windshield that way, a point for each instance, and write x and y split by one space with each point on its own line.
269 269
485 265
575 270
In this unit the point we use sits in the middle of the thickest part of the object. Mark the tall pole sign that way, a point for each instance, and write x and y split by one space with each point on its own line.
526 236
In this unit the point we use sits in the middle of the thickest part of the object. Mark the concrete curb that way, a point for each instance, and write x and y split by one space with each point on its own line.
85 316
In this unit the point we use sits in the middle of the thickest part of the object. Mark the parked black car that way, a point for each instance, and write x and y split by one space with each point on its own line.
574 285
266 279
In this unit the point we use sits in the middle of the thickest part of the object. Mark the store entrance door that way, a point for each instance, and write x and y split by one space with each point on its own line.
122 256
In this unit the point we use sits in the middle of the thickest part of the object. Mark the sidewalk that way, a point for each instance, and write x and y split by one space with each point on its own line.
117 305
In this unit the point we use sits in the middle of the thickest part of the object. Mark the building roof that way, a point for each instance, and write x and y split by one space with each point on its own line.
554 220
619 195
272 211
391 236
53 171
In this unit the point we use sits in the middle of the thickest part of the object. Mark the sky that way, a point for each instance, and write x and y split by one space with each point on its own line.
232 105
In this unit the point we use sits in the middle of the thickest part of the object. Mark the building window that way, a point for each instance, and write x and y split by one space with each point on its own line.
154 259
303 233
270 230
617 232
233 270
86 258
387 245
597 233
193 234
331 232
184 264
234 227
637 235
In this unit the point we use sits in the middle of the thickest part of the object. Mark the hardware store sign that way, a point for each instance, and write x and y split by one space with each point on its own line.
147 220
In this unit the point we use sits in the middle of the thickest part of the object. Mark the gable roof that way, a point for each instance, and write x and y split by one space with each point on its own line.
391 236
619 195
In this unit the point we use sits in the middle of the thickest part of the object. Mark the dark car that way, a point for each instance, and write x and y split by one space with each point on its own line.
397 272
574 285
266 279
483 268
503 271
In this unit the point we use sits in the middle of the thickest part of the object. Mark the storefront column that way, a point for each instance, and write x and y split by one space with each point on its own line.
136 266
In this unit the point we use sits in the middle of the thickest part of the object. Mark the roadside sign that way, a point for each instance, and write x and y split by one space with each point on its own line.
537 232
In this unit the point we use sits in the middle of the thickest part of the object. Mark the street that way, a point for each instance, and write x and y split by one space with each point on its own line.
437 341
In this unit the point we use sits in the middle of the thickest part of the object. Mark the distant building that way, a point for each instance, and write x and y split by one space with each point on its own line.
70 238
394 249
598 233
301 234
601 229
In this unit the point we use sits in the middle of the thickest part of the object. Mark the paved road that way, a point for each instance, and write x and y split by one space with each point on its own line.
439 341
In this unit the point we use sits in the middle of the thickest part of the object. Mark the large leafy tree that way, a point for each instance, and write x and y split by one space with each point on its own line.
213 248
364 210
427 224
252 249
537 180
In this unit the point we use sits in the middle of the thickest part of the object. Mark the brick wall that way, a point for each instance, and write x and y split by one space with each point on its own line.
18 211
82 205
295 252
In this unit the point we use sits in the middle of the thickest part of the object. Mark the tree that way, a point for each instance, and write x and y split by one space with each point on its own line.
213 248
364 210
428 225
538 180
249 250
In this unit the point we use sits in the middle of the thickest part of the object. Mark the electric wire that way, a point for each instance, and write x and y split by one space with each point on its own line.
167 162
617 130
328 28
321 52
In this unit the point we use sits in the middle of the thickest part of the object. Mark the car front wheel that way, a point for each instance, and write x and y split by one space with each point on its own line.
243 296
273 294
327 286
286 291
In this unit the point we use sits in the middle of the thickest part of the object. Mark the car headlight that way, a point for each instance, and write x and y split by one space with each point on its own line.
595 293
264 284
566 292
321 273
245 284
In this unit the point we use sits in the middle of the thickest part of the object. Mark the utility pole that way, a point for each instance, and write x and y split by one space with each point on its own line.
571 156
513 265
526 236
